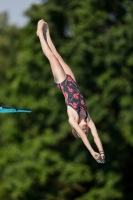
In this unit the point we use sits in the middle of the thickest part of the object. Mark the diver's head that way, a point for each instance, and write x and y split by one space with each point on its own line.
84 126
86 130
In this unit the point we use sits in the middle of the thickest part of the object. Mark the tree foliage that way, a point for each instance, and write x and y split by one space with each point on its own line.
39 158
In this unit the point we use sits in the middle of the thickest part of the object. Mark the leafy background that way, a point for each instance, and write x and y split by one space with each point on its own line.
39 157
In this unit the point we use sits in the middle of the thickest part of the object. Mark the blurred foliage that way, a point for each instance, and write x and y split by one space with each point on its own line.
39 158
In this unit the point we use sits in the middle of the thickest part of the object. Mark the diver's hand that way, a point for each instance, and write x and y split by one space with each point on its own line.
102 156
98 157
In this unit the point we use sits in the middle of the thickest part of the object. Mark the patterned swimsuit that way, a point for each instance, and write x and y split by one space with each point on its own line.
72 94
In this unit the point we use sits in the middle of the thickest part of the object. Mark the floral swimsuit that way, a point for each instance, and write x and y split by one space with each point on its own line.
72 94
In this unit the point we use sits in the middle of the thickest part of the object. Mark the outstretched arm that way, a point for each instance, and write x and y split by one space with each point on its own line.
85 140
96 138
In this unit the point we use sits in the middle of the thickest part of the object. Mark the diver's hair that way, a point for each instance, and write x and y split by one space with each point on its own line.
76 135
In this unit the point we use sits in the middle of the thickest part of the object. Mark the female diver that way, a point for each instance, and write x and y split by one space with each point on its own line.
64 78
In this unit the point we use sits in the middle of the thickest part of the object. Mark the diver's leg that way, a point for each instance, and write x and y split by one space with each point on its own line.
66 68
57 70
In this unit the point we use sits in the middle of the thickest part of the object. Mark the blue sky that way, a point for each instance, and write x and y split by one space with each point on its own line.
15 10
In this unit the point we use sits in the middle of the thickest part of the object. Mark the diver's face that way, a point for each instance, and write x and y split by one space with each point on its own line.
83 125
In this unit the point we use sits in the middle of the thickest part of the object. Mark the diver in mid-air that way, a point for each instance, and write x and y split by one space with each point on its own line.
78 116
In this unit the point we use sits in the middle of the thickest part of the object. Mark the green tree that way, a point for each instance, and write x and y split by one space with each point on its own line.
39 158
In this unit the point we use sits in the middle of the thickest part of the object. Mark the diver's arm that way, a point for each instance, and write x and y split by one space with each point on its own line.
84 138
96 137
